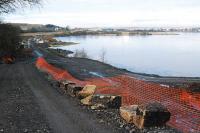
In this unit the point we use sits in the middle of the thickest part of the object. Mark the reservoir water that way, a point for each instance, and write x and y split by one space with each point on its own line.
165 55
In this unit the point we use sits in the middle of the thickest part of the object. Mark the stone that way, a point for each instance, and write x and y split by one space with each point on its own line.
87 91
146 115
132 131
101 121
107 100
121 126
64 84
73 89
152 114
102 101
87 101
128 112
97 107
25 130
127 128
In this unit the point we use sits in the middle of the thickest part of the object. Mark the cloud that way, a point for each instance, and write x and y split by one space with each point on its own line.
86 13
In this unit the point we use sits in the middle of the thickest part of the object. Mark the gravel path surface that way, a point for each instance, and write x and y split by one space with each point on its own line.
19 111
30 104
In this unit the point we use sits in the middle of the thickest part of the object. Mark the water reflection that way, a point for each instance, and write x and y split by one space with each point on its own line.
168 55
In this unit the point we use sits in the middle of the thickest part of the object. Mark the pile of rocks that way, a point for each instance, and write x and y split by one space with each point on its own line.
145 115
88 97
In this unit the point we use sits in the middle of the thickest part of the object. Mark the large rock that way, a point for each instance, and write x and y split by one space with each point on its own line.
87 91
64 84
146 115
99 101
128 112
107 100
87 101
152 114
73 89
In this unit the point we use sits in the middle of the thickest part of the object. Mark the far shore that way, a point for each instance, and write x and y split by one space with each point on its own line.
60 33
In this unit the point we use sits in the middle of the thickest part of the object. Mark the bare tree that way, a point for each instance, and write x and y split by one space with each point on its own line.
7 6
102 55
81 53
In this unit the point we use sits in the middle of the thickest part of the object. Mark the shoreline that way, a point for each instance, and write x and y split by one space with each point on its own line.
63 34
61 44
188 83
57 47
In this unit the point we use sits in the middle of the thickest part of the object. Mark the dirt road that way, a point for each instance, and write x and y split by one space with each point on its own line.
28 103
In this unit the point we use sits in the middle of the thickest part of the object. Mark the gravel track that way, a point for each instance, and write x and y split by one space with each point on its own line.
30 104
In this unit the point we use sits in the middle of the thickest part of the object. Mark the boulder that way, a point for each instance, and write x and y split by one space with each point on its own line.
64 84
152 114
107 100
87 100
128 112
87 91
146 115
73 89
99 101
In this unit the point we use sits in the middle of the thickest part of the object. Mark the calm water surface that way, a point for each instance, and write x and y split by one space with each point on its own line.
166 55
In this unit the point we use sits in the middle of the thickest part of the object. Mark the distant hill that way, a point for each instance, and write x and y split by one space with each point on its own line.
37 27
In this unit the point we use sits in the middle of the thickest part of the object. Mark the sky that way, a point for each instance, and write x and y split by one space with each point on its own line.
111 13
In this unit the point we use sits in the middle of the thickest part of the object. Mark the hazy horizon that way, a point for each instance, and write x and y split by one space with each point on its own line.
112 13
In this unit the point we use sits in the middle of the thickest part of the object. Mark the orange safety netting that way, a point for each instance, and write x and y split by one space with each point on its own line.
183 105
56 73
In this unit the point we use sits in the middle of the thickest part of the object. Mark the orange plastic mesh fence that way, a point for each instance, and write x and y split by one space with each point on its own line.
183 105
56 73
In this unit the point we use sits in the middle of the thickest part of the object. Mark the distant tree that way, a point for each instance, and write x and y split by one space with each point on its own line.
51 26
80 53
9 39
7 6
33 29
67 28
102 55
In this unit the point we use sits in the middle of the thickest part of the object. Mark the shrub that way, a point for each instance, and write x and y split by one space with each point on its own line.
9 39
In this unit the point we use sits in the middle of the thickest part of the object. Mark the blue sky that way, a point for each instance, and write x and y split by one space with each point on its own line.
115 13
